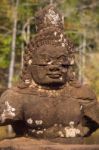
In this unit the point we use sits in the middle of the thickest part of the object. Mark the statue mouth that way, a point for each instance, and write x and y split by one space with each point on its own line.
54 75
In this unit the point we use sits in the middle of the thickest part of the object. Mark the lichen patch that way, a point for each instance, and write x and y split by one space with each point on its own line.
8 112
29 121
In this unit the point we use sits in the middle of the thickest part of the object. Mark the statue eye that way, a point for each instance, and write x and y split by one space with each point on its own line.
47 60
44 60
62 59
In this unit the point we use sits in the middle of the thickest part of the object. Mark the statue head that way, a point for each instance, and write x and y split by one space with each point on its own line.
49 65
49 57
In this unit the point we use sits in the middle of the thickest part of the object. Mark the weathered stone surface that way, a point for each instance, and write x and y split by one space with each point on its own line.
30 144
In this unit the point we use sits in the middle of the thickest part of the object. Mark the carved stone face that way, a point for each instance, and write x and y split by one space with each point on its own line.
49 65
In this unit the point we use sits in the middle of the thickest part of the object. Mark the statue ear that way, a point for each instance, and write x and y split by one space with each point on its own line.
70 73
25 77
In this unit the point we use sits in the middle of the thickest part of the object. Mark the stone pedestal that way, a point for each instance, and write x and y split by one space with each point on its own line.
31 144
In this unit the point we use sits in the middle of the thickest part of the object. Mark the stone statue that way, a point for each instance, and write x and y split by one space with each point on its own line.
49 102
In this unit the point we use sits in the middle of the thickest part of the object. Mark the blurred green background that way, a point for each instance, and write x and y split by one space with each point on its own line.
17 25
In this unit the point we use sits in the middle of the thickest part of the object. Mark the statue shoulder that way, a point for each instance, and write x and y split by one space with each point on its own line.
84 92
9 94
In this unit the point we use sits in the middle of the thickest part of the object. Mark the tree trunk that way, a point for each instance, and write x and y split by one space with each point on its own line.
51 1
11 67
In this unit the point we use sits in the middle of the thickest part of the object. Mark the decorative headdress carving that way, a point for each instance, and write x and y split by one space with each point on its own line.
48 17
49 31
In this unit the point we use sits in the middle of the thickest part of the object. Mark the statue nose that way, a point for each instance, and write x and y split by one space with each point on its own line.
54 68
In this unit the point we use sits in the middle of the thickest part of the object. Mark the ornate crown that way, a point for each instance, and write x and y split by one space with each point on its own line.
48 17
49 24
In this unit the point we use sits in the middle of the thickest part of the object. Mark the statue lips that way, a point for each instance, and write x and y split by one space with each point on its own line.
54 75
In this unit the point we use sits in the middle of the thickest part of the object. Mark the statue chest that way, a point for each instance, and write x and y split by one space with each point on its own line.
47 111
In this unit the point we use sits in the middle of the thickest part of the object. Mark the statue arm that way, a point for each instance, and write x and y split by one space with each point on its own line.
90 109
10 107
91 116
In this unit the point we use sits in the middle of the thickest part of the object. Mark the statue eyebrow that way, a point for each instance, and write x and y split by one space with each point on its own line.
56 56
61 56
